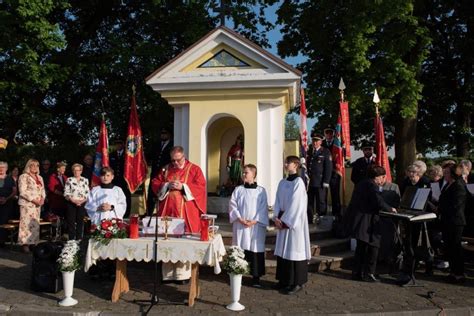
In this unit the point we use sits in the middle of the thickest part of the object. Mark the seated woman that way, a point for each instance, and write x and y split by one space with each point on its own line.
248 213
366 203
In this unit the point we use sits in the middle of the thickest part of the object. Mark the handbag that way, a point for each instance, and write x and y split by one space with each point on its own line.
424 251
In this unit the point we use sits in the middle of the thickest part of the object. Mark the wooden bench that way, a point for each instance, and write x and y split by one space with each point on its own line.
12 230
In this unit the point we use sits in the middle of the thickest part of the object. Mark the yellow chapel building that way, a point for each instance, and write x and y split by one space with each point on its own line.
224 86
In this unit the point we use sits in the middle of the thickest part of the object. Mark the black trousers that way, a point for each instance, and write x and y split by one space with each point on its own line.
317 202
290 273
256 262
75 221
452 236
334 186
365 258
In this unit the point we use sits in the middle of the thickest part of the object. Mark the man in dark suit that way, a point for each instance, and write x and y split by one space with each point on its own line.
160 159
359 167
320 169
366 203
117 162
335 182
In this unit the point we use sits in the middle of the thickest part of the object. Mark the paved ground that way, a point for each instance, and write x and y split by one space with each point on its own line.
325 293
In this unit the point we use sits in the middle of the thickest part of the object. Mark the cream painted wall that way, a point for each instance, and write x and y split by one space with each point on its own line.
209 113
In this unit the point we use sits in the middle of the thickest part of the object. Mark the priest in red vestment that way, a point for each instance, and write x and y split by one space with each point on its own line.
181 190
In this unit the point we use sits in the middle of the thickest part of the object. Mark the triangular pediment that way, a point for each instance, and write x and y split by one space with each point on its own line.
223 58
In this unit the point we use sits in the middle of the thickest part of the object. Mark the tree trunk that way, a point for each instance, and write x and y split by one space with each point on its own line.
463 114
463 130
405 146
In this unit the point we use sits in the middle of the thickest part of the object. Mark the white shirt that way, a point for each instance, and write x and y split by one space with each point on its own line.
292 243
98 196
249 204
77 189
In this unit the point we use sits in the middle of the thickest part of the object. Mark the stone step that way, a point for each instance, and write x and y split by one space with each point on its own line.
329 262
317 263
316 232
330 245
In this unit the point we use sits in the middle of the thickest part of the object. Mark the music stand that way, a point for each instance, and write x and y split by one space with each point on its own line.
407 278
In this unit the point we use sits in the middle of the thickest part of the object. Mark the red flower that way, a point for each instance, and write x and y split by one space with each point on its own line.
108 234
93 227
105 224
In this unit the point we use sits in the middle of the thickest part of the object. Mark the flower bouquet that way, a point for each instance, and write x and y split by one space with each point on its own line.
69 258
68 264
234 262
236 265
109 229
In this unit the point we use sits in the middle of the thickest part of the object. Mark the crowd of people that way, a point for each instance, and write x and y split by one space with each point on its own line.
178 188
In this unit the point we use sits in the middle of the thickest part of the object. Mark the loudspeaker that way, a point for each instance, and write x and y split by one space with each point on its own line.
45 273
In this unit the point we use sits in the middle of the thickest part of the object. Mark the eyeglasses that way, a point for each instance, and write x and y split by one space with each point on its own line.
177 160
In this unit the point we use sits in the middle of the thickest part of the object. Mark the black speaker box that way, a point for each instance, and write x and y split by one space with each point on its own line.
44 272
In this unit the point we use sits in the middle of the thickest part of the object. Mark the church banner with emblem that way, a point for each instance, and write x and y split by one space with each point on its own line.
135 165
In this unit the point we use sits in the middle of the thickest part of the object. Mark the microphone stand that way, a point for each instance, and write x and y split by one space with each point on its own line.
154 299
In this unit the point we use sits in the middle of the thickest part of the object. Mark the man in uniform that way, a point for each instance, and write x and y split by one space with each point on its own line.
117 162
359 167
181 190
320 169
335 182
160 159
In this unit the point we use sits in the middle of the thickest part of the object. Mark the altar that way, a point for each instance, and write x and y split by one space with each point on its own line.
184 249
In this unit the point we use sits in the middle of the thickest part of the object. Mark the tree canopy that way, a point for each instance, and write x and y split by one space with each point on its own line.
388 45
66 62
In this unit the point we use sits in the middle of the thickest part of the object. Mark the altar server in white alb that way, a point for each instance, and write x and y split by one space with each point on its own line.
107 200
248 213
292 244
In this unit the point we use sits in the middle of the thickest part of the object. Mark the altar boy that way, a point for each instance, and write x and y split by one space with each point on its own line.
292 247
248 213
104 202
107 200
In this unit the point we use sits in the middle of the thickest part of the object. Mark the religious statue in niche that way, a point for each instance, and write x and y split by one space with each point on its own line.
235 161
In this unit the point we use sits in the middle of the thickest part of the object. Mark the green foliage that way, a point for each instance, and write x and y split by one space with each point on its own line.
379 44
65 62
292 130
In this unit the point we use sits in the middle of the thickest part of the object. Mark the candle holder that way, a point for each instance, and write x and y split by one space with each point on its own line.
166 220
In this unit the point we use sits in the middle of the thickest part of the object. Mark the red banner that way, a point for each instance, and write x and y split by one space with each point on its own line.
135 165
303 128
345 124
381 154
101 154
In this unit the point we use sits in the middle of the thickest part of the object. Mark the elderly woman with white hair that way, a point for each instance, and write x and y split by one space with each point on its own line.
466 167
7 194
31 198
415 178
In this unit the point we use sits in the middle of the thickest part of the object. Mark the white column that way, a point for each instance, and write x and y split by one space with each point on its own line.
270 144
181 126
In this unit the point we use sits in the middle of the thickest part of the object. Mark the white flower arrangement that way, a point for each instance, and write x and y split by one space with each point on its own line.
234 262
69 258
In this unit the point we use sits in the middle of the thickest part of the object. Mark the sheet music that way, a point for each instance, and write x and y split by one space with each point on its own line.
470 188
419 201
435 191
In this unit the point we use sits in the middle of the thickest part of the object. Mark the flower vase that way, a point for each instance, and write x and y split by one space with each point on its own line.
68 285
235 286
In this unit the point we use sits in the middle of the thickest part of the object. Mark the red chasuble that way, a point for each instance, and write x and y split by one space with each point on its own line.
176 203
